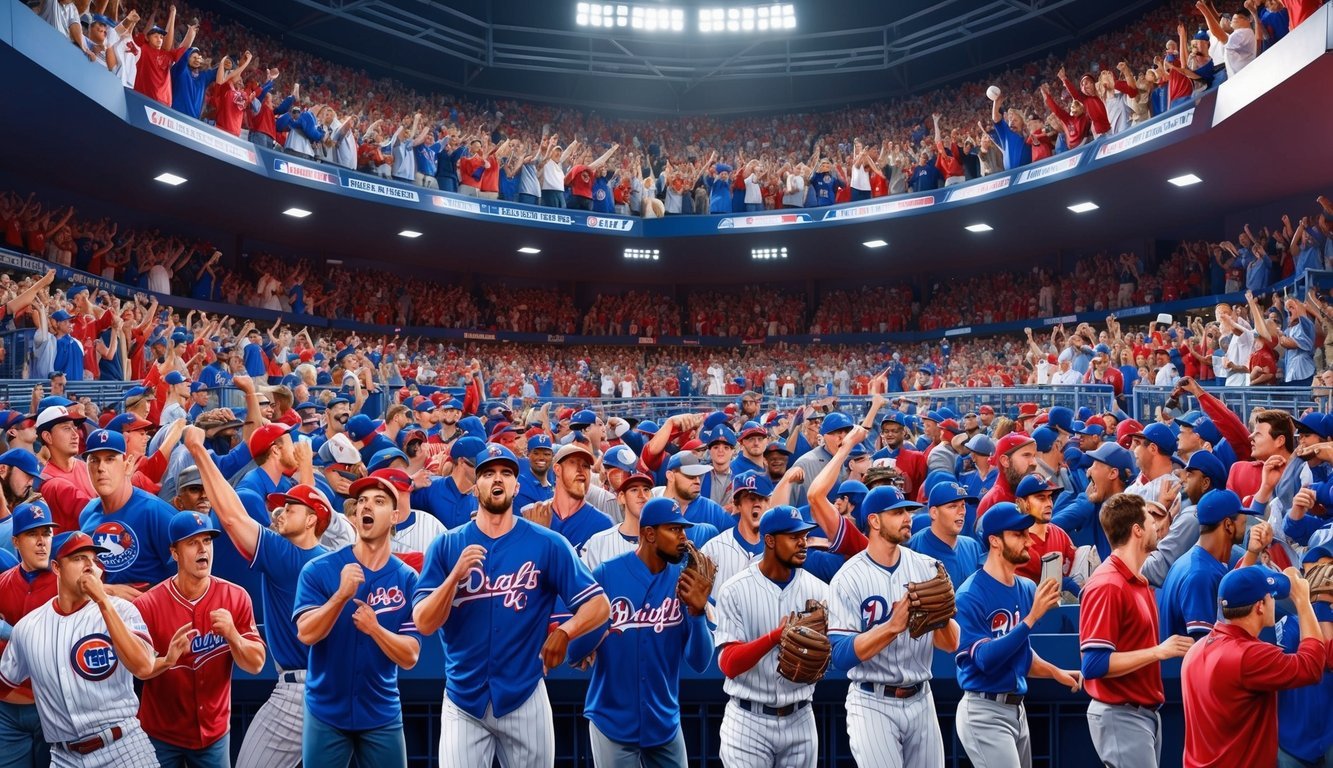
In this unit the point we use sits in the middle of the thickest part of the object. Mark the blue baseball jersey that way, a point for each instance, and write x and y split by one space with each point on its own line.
991 614
961 561
136 537
443 499
228 563
580 526
1187 601
530 489
633 694
280 563
501 610
822 565
1302 713
350 683
705 510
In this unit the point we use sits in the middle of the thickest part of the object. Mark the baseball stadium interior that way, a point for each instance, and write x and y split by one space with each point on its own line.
949 381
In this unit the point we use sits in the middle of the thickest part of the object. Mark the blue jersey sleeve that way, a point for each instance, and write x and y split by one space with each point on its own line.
312 588
572 580
977 644
1198 604
233 461
435 568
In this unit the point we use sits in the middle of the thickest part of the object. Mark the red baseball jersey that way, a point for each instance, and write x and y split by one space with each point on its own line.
1056 541
189 705
1119 614
20 593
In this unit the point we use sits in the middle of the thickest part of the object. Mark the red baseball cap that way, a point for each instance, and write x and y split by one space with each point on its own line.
395 482
986 409
692 445
266 436
1027 409
305 495
1125 431
1010 443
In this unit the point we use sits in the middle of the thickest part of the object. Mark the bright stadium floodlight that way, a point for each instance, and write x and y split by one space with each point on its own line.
978 227
650 254
748 18
875 243
1083 207
1185 181
768 253
626 16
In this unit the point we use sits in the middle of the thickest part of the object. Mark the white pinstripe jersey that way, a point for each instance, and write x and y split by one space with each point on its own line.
731 558
863 594
605 545
750 605
417 536
80 687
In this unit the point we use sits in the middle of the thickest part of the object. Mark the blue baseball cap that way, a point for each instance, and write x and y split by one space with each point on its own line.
1092 430
835 422
25 460
583 418
69 542
883 499
751 481
183 525
1035 483
1113 456
452 404
466 448
783 519
720 434
60 315
1217 505
425 406
383 457
199 386
338 400
494 453
778 447
1159 435
948 493
105 440
1210 466
980 444
32 514
852 488
662 511
686 463
620 457
360 427
1312 555
1060 418
1247 586
1044 437
1313 423
647 427
1002 517
139 391
858 451
539 441
173 378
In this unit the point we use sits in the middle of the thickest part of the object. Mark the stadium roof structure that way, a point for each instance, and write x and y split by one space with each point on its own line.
842 51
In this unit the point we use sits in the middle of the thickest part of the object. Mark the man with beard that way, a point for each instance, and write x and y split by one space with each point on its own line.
336 414
446 430
768 720
997 611
900 455
754 442
1109 474
890 709
1187 602
128 523
211 623
24 587
1118 637
1016 457
943 540
683 485
657 621
534 472
635 491
1035 497
450 498
21 479
300 516
568 513
492 585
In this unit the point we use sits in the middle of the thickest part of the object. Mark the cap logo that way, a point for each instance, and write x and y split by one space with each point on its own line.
101 438
198 520
493 450
749 482
37 513
796 514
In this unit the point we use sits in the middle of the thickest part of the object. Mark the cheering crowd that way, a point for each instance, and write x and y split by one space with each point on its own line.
219 71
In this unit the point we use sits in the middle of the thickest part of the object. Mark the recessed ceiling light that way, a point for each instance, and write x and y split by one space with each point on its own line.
297 213
978 228
1186 180
170 178
875 243
529 250
409 233
1083 207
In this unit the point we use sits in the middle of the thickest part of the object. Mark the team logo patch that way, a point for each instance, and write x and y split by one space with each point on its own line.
512 589
386 599
93 658
121 542
1002 622
874 611
655 617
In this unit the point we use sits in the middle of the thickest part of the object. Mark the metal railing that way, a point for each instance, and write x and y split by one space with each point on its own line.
1242 400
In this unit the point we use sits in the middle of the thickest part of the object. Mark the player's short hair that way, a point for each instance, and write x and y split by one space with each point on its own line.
1280 424
394 410
1120 514
1231 613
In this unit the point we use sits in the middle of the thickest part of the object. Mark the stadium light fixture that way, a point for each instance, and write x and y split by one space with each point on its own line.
296 213
978 227
768 253
650 254
624 15
410 234
1084 207
170 178
1186 180
529 250
875 243
748 18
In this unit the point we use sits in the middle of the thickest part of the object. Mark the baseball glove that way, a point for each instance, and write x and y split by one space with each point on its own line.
803 647
702 565
1320 576
931 604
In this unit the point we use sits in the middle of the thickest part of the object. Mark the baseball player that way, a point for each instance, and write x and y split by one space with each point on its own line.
768 720
684 471
1230 679
1188 598
23 588
213 619
361 714
1035 497
657 620
1117 631
492 585
128 524
635 491
742 545
943 540
568 512
890 709
300 516
81 652
997 610
450 498
534 477
1303 735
